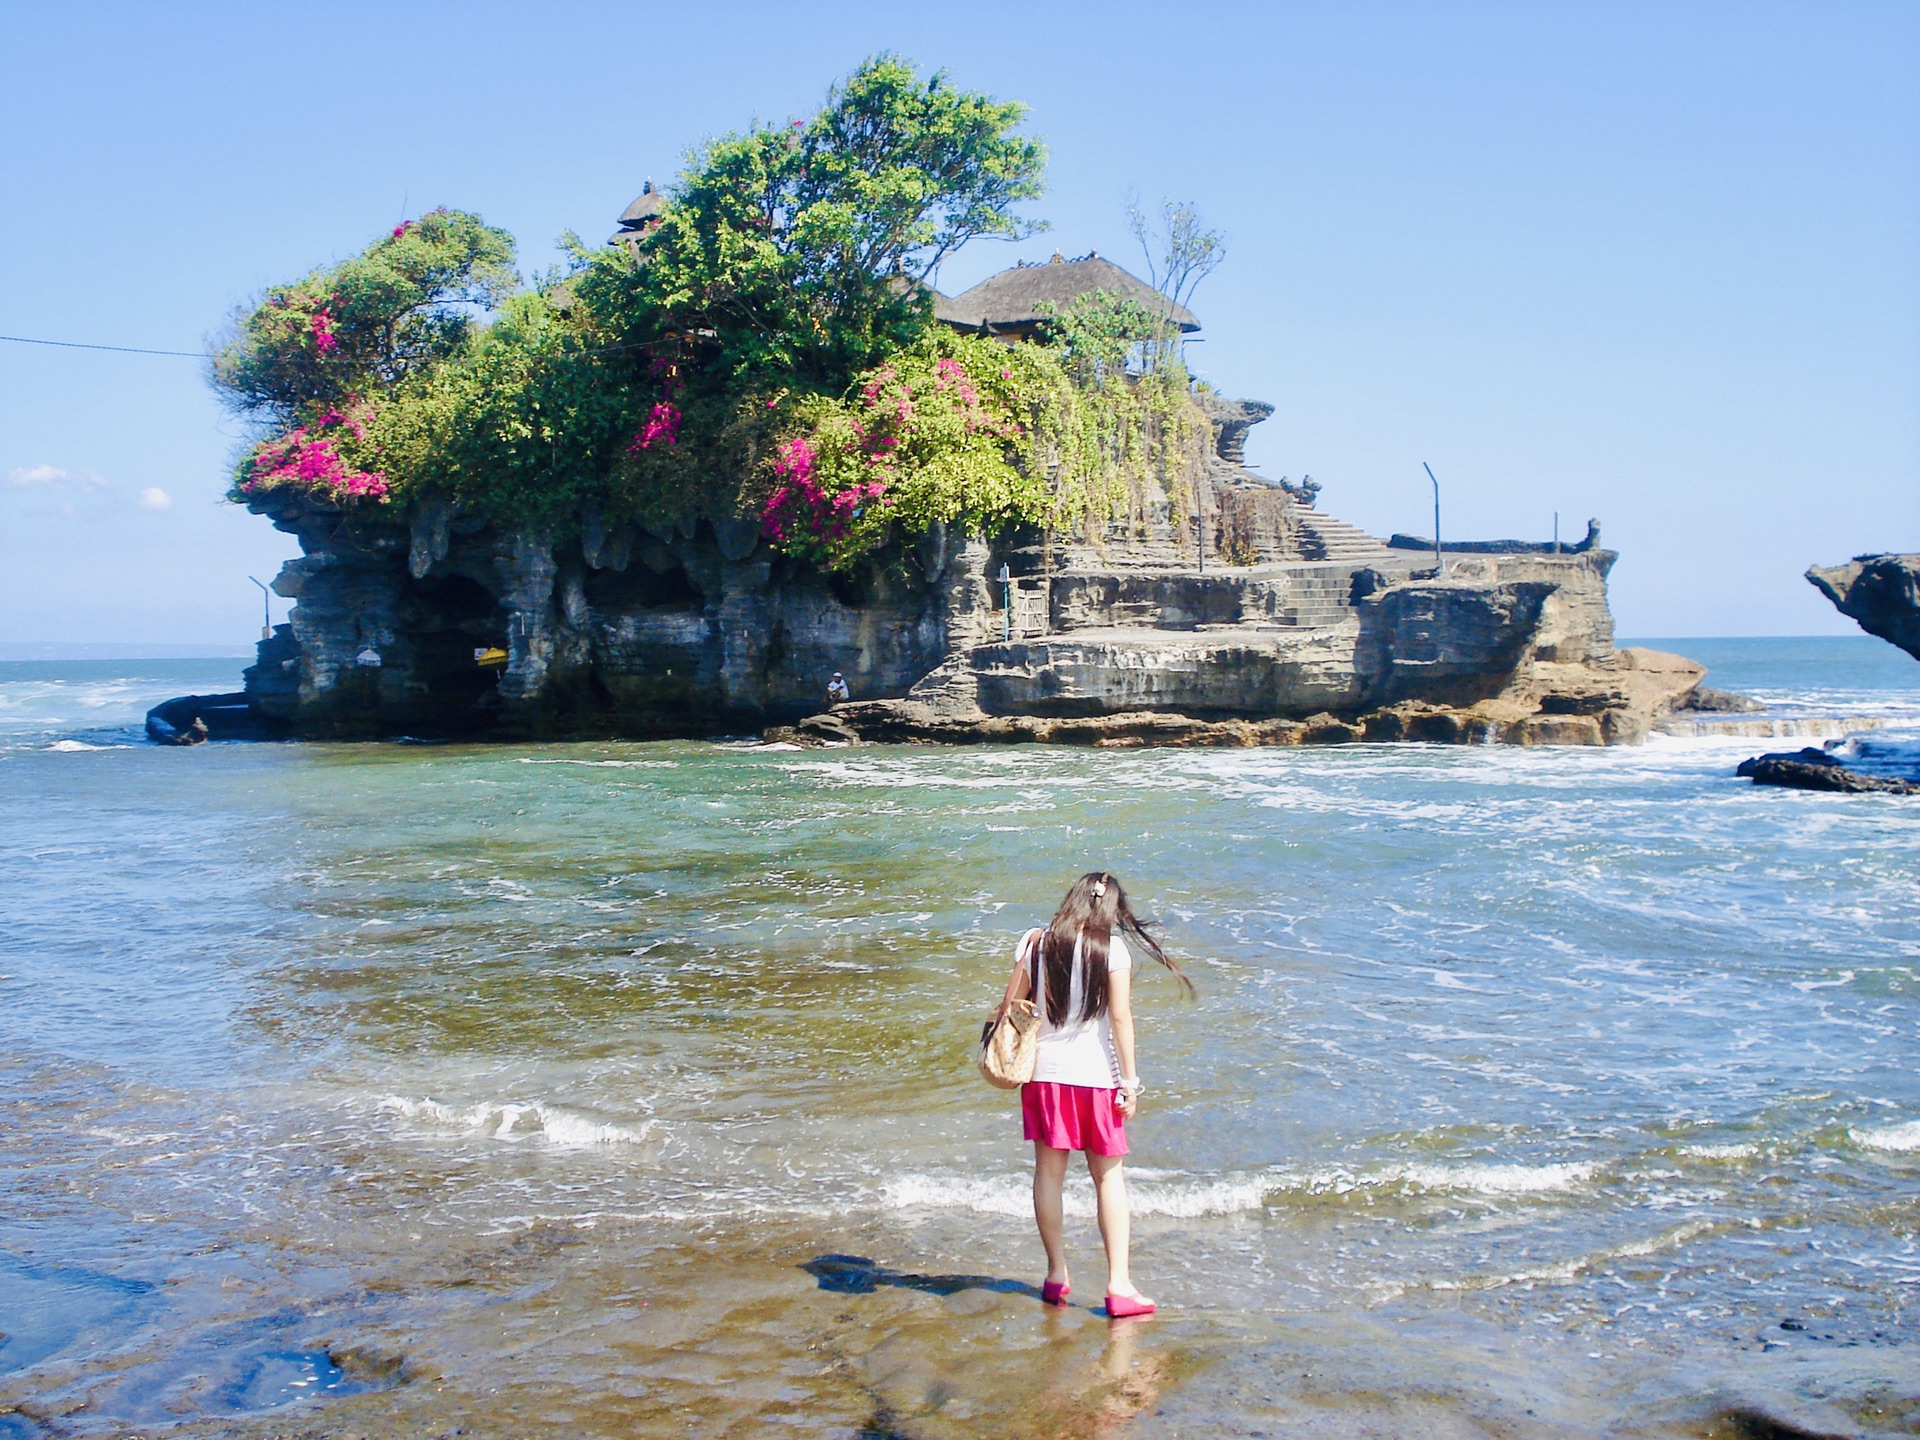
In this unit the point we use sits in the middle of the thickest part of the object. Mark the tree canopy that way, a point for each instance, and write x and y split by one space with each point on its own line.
406 301
803 248
767 350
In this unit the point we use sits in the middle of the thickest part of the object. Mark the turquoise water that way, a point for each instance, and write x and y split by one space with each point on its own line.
323 1063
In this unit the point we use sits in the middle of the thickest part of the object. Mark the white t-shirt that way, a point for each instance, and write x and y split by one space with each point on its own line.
1078 1052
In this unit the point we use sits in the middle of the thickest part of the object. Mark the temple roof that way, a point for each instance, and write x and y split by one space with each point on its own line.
646 206
1011 298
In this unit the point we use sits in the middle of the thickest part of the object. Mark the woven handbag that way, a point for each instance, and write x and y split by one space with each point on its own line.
1009 1046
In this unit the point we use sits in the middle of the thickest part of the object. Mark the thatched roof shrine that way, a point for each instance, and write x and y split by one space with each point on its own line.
639 218
1009 303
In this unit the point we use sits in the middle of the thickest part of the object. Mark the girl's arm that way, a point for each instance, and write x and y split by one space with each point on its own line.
1120 1016
1019 984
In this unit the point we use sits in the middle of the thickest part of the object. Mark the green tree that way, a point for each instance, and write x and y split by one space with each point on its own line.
1180 253
1101 336
803 249
405 302
527 422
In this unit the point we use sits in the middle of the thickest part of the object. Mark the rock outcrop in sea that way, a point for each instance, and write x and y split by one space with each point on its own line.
1258 619
1881 593
1811 769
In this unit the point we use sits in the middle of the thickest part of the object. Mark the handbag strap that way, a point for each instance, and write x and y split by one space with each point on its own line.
1035 959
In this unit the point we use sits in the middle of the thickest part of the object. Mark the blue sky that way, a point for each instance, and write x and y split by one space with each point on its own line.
1654 263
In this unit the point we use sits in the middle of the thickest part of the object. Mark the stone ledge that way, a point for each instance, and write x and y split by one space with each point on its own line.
1488 723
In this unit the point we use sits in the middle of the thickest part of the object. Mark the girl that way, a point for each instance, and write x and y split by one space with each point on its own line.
1084 1085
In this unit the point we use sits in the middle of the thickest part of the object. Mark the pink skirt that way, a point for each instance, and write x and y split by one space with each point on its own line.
1073 1117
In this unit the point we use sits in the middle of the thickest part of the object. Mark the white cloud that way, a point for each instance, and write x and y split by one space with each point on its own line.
54 475
154 498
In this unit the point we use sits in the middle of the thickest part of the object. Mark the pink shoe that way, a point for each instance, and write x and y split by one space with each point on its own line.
1054 1294
1121 1307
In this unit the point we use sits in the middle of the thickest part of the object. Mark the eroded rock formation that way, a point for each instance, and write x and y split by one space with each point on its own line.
1236 613
1881 593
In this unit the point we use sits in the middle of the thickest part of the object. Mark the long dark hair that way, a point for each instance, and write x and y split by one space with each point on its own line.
1095 908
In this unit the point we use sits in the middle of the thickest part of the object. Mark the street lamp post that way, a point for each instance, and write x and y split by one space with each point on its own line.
266 611
1439 565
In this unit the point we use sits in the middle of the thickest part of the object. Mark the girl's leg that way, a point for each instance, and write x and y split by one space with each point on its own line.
1049 1176
1110 1189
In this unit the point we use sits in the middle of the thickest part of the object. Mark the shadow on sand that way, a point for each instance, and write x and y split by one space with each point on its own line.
857 1275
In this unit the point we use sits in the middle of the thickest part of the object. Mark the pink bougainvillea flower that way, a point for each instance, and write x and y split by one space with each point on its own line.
320 323
795 462
662 428
303 461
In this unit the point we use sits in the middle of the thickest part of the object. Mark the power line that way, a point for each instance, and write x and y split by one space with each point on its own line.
311 360
119 349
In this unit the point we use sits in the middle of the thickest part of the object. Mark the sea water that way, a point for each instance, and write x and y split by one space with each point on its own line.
627 1088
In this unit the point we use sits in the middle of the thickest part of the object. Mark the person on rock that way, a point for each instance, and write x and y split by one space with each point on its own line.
837 689
1085 1086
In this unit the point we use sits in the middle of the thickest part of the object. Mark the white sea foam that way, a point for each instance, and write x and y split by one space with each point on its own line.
1190 1197
1791 727
604 764
1803 986
1566 1271
912 776
1888 1137
1002 1195
517 1121
1489 1179
73 746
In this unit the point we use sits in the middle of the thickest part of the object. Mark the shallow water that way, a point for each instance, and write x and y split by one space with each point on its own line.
627 1088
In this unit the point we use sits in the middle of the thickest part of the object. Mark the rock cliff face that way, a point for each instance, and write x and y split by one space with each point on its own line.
607 633
1196 621
1880 592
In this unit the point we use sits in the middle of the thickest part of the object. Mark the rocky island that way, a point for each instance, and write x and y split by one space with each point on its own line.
674 489
1282 624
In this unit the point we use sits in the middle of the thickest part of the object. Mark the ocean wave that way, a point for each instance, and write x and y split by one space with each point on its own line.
1721 1152
1179 1196
69 747
1888 1137
1488 1179
603 764
517 1121
915 774
1565 1272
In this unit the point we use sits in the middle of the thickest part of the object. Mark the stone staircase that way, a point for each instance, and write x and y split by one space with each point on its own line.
1318 594
1337 540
